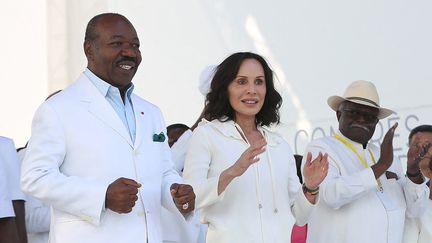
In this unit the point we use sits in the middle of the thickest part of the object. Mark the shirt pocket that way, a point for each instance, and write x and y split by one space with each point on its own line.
395 193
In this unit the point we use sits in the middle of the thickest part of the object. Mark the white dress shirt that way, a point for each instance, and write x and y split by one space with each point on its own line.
179 150
11 164
419 230
6 208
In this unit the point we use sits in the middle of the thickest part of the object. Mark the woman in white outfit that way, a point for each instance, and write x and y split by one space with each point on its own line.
243 173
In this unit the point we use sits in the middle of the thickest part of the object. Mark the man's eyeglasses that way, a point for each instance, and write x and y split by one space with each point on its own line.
356 115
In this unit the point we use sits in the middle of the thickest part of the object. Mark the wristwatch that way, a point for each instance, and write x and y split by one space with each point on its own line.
310 191
417 174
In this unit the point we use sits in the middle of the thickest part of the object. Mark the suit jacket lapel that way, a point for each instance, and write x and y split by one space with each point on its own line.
101 109
142 121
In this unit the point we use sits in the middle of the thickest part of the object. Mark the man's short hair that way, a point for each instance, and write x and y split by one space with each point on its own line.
421 128
91 33
177 126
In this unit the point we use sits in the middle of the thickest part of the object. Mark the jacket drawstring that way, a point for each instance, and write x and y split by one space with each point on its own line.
257 174
273 183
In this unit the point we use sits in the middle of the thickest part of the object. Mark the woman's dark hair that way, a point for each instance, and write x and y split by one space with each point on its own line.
217 100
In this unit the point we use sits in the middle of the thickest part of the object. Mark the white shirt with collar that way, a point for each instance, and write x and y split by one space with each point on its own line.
11 164
9 177
179 150
419 230
6 208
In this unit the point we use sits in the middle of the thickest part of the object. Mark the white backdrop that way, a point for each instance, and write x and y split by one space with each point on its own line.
315 47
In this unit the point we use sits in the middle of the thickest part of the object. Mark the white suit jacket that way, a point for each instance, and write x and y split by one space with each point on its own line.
78 147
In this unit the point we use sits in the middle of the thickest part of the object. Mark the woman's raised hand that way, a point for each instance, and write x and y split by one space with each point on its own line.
249 157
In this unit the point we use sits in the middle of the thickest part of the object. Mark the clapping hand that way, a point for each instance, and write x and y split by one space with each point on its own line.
314 171
386 154
248 157
416 153
386 158
426 162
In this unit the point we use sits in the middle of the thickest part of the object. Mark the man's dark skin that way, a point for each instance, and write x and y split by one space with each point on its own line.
113 55
19 210
8 230
174 134
357 122
12 229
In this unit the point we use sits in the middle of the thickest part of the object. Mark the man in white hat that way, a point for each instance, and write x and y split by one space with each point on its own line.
365 195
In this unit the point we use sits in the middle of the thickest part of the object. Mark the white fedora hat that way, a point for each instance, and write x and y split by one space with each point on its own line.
360 92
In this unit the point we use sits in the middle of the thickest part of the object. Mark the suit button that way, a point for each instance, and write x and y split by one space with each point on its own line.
86 218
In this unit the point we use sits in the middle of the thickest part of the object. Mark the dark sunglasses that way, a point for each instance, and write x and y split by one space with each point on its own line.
356 115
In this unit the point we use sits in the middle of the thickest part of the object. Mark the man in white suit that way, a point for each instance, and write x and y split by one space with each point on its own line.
98 153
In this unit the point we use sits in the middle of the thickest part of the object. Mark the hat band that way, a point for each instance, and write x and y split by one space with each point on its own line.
363 99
